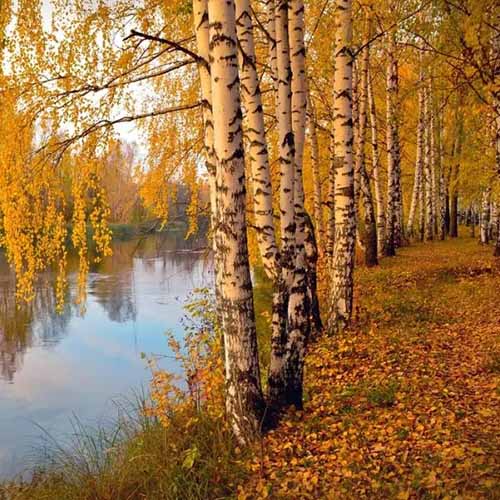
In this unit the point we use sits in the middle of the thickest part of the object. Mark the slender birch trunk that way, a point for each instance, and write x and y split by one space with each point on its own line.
457 153
370 225
330 203
429 223
257 144
496 251
317 190
379 197
441 184
301 292
399 232
432 132
494 220
244 399
472 221
345 224
355 131
200 16
282 350
270 8
417 182
277 366
485 217
392 152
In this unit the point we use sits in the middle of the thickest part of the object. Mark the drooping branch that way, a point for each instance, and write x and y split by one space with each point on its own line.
170 43
61 146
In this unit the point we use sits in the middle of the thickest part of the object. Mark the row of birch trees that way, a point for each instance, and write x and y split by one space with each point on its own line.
357 214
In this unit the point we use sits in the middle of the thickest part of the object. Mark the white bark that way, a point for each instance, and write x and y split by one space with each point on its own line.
330 202
417 182
244 400
392 151
200 15
442 183
256 137
485 217
280 353
379 196
317 189
286 142
369 219
429 222
345 226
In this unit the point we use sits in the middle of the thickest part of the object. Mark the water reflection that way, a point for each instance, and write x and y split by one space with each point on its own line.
55 365
18 328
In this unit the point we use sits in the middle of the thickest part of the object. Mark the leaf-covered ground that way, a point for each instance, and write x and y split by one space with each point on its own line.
407 403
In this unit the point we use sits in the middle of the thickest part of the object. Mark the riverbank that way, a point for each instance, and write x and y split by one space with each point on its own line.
404 405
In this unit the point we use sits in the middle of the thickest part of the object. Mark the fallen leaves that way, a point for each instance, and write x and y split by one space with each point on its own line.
406 404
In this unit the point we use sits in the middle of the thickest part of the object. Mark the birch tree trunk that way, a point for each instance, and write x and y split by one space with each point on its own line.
432 132
399 234
355 131
257 144
494 216
345 225
317 190
392 152
379 197
200 17
370 226
457 153
270 8
276 380
496 251
472 221
417 182
441 183
429 223
301 293
330 203
244 399
485 217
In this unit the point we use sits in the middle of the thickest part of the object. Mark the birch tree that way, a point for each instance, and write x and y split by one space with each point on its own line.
392 150
257 144
345 227
317 188
441 181
455 171
417 182
369 219
379 196
485 216
244 399
429 222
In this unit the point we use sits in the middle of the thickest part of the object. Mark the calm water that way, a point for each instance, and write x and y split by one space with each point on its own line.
55 366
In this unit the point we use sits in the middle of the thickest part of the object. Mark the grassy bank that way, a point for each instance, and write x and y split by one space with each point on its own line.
137 458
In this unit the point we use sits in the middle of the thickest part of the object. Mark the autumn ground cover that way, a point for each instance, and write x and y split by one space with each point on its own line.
406 403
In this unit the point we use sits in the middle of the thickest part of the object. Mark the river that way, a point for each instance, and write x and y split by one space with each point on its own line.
56 366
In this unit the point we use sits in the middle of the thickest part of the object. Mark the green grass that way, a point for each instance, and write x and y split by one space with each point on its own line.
383 395
135 458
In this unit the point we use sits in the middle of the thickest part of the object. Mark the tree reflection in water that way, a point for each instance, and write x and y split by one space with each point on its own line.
111 284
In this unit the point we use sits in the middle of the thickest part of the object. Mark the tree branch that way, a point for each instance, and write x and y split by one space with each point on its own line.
170 43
